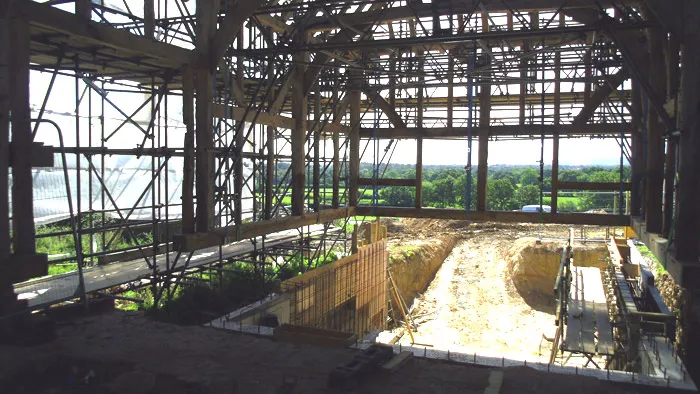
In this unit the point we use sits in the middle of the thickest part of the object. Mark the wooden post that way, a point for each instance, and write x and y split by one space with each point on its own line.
188 161
687 230
239 143
450 88
523 83
637 151
204 185
83 8
299 113
355 83
270 164
655 141
317 149
149 19
22 187
557 121
588 74
672 64
336 156
484 123
419 142
4 136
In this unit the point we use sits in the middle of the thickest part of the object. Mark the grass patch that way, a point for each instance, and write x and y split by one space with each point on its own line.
648 254
407 251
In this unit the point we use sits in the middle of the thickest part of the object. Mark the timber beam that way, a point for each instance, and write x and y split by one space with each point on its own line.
223 235
421 10
496 131
268 119
84 31
497 216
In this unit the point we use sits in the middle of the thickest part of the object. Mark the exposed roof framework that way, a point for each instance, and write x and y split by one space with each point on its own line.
280 100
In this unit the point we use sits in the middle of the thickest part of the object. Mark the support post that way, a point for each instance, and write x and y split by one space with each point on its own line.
270 164
149 19
523 83
354 82
238 175
335 201
188 160
655 140
299 113
204 136
4 136
672 63
687 230
637 151
419 142
83 8
554 203
317 149
484 123
450 88
22 187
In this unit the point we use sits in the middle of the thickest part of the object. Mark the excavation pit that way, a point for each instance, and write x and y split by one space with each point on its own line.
493 293
533 267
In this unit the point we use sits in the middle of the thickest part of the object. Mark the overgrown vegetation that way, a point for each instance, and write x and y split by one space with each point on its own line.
648 254
208 294
61 247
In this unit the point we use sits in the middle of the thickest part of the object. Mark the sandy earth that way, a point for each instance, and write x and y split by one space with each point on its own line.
472 305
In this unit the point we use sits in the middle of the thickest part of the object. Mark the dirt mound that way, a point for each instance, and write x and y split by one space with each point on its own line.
533 267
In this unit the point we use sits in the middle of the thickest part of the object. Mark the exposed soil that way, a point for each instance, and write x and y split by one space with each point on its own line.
472 304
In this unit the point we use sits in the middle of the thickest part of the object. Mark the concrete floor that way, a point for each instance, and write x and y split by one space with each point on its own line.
129 353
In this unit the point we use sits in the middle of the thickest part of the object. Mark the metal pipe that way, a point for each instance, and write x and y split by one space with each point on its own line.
76 237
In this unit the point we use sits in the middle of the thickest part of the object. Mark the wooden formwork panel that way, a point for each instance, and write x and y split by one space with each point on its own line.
348 295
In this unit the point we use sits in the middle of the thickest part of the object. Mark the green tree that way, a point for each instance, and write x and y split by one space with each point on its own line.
600 200
397 196
529 176
527 195
500 195
444 192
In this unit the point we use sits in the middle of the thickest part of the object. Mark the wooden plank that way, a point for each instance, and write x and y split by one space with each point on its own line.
221 235
496 131
573 323
601 186
497 216
397 362
606 345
